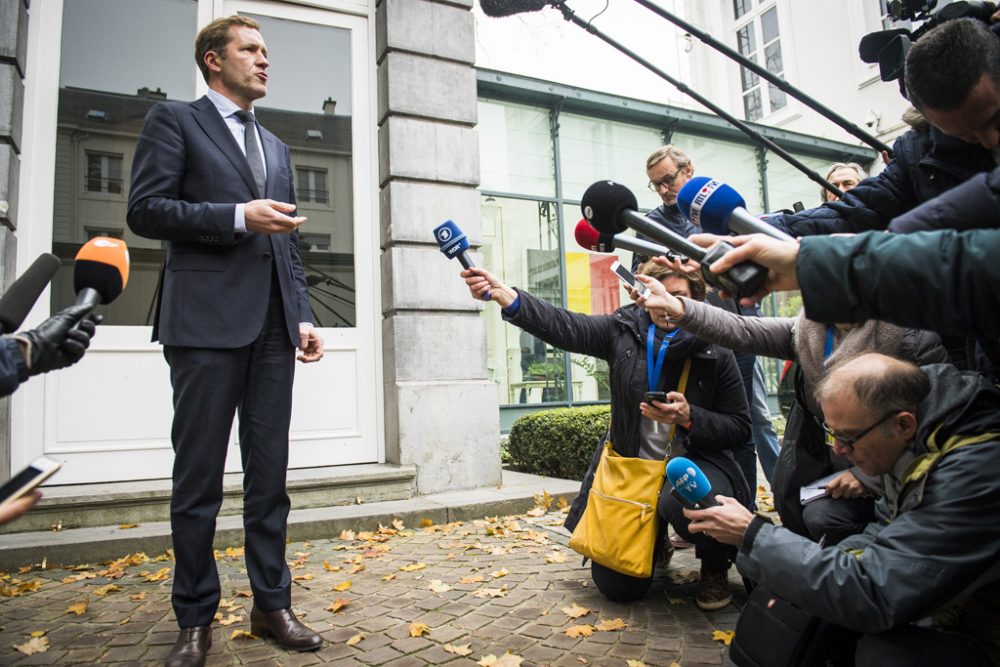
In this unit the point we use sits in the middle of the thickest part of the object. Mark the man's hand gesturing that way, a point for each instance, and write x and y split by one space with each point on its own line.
267 216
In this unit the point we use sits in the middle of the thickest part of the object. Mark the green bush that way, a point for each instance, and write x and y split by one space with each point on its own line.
557 443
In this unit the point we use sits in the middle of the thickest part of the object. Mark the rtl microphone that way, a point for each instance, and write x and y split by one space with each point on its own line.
720 210
453 243
22 294
611 208
497 8
690 486
101 271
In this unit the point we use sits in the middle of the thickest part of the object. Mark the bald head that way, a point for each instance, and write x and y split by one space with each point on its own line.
881 383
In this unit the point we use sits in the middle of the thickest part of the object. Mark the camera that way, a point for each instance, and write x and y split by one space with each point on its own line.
888 48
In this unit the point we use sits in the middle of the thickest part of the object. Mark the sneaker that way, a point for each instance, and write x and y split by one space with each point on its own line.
713 590
678 542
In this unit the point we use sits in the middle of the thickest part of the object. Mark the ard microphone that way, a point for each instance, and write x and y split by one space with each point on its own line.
453 243
720 210
591 239
611 208
498 8
22 294
690 486
101 271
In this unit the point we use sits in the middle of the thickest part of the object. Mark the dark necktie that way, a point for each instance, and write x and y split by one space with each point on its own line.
254 157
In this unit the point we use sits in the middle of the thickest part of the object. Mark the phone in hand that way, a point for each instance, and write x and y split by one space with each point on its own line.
28 479
651 396
628 278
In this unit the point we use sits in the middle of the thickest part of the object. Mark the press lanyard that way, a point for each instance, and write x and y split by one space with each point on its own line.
828 349
653 370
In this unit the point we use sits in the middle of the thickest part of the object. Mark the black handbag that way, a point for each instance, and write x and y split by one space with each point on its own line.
772 632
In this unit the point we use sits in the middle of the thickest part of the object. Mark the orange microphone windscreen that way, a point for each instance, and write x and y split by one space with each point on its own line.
102 264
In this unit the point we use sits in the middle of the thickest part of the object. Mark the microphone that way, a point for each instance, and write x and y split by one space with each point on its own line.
690 486
22 294
453 243
720 210
498 8
611 208
591 239
101 271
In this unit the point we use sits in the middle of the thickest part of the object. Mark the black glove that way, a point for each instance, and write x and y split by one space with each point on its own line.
59 341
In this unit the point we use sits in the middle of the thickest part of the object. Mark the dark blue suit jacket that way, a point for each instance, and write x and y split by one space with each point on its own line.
187 177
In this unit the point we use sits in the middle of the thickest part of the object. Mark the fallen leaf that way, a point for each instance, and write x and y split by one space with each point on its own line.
500 573
302 577
125 620
684 576
611 625
104 590
330 568
343 586
636 663
583 661
245 593
338 604
29 586
79 608
38 633
360 567
347 535
389 577
161 575
724 636
79 577
242 634
562 503
137 598
543 500
556 557
490 592
506 660
229 620
575 611
127 526
398 524
536 512
413 567
476 579
355 639
439 586
426 523
419 629
576 631
462 649
33 646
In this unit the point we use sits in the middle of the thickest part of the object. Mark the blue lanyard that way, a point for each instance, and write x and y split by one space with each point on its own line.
828 350
653 371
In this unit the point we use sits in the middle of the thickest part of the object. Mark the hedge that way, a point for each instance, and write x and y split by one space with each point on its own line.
557 443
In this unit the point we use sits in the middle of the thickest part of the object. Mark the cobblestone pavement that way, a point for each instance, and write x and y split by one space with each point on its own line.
470 592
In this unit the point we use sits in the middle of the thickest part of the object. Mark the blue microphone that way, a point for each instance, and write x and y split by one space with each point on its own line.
691 487
453 243
718 209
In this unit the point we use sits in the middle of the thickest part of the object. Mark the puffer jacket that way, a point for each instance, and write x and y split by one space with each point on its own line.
937 551
719 415
926 162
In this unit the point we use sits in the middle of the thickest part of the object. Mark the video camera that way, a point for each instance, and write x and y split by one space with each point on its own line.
888 48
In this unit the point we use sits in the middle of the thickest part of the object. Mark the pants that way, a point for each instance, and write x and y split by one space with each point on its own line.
765 440
210 386
911 646
836 519
714 555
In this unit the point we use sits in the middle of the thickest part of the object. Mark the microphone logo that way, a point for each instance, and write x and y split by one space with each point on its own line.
105 243
699 200
444 234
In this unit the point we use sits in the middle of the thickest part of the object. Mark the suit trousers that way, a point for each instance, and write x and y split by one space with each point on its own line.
210 386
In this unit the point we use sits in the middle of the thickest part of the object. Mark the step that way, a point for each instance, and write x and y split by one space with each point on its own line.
92 505
74 546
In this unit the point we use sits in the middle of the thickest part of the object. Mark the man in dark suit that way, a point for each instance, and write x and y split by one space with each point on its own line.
232 307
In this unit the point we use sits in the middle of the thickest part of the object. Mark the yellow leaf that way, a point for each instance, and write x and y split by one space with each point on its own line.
347 535
229 620
543 500
636 663
426 523
161 575
583 661
235 552
245 593
419 629
612 625
104 590
29 586
241 634
355 639
413 567
389 577
500 573
338 604
490 592
343 586
562 503
38 633
302 577
724 636
137 598
438 586
576 631
330 568
127 526
360 567
33 646
462 649
506 660
556 557
575 611
78 608
536 512
398 524
125 620
472 580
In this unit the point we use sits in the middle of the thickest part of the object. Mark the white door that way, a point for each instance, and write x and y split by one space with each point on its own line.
108 418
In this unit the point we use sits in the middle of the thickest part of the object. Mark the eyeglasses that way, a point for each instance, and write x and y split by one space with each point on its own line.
848 441
664 182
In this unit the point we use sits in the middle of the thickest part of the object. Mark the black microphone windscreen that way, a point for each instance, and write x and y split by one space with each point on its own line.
497 8
603 203
22 294
104 278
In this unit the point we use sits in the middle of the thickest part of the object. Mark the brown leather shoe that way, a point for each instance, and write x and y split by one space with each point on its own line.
283 626
191 647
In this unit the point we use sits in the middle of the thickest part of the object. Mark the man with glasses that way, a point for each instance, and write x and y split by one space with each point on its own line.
922 582
668 169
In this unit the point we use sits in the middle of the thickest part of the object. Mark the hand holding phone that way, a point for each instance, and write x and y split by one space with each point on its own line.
629 279
25 482
651 396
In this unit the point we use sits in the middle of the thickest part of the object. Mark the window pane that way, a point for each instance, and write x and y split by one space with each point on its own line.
593 149
734 163
772 58
777 97
741 7
787 185
521 245
101 110
748 77
515 149
752 105
769 25
745 39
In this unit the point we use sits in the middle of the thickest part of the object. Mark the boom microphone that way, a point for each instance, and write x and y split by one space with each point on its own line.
690 486
101 271
720 210
22 294
498 8
611 208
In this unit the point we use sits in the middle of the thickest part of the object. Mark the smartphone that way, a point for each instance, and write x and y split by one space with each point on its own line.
28 479
626 277
651 396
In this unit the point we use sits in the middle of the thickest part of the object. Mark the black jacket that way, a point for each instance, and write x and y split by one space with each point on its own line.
719 413
926 163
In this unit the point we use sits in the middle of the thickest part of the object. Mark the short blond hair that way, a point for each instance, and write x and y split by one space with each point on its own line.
679 157
216 37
